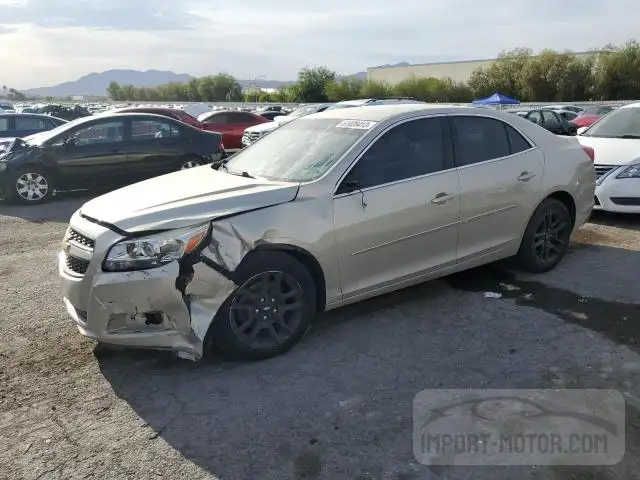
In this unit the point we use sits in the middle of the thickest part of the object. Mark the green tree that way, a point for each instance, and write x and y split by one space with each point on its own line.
114 91
433 90
373 89
617 72
504 75
288 94
344 89
313 82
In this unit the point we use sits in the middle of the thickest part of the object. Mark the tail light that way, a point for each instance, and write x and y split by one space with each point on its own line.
591 152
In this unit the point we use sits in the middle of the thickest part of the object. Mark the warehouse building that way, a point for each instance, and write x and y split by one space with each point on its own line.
458 71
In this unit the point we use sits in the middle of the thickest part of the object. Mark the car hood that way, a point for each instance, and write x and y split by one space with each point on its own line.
185 198
612 151
263 127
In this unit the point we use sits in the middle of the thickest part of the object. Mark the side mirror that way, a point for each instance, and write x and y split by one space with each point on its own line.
69 142
349 186
581 130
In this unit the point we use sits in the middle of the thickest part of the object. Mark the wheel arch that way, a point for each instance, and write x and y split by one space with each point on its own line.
49 170
563 196
305 258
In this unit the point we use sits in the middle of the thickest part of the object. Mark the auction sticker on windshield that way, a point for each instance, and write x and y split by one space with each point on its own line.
356 124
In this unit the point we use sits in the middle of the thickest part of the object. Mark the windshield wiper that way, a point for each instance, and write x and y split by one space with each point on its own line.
629 135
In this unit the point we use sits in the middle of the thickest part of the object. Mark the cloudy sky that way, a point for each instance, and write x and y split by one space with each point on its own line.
45 42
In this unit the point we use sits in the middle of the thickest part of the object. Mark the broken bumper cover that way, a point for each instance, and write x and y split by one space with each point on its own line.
144 308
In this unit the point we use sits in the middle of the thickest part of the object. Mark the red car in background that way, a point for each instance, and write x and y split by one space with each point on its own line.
231 125
165 112
592 115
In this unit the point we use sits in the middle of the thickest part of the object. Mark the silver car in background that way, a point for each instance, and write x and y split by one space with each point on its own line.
328 210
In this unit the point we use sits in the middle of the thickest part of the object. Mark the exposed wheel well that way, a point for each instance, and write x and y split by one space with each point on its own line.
310 262
567 199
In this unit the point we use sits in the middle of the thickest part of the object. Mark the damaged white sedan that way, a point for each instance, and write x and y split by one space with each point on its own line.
328 210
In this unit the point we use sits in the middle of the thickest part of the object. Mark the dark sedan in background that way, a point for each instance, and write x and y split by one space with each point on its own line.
550 120
22 124
106 151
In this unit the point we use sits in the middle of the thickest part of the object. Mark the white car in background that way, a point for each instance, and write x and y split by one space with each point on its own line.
256 132
615 140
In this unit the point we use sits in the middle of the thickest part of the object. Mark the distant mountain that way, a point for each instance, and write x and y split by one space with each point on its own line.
401 64
95 84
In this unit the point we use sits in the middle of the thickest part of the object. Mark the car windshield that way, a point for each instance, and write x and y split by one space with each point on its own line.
299 151
622 123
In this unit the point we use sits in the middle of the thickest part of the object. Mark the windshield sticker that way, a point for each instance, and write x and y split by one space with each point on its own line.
356 124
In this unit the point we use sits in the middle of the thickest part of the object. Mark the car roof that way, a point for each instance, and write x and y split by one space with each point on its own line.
631 105
379 113
25 114
140 109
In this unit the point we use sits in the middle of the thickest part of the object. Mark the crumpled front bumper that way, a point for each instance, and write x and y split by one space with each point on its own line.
142 308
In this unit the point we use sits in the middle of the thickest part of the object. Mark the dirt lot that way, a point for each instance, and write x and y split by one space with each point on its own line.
339 406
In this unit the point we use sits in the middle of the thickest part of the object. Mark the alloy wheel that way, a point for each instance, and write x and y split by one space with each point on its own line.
267 310
32 186
550 240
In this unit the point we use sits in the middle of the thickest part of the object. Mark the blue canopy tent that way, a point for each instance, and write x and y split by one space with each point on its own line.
496 99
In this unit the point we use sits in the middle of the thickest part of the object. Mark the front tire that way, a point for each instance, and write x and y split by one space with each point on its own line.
30 186
546 238
270 310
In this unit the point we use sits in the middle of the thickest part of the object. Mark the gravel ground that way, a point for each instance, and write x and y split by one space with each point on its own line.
338 406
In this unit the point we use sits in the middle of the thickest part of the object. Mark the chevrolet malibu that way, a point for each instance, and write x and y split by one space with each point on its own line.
328 210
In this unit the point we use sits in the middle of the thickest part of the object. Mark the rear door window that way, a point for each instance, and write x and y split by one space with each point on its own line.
142 130
478 139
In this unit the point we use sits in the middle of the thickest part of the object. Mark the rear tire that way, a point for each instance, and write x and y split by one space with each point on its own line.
546 238
30 186
270 310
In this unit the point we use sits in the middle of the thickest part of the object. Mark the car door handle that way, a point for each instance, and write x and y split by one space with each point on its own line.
525 176
442 197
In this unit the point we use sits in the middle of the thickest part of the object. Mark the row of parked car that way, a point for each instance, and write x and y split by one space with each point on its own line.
134 143
565 119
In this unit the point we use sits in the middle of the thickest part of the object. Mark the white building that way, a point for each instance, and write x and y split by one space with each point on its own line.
458 71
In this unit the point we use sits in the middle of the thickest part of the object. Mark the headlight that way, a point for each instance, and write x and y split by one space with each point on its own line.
155 250
630 172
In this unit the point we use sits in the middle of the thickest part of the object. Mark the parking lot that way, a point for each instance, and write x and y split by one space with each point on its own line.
339 405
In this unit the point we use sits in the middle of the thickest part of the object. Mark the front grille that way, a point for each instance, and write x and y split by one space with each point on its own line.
77 265
250 137
80 240
603 170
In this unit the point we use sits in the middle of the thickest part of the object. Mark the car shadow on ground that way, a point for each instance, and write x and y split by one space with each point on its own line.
59 209
339 405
